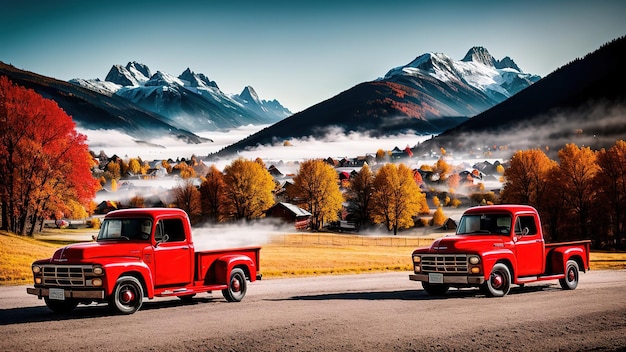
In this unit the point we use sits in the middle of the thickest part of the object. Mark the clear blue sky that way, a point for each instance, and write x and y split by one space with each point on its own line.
298 52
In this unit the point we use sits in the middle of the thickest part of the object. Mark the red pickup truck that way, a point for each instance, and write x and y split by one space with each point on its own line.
494 247
141 253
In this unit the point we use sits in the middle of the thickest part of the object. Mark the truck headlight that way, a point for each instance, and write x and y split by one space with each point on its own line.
36 269
96 282
474 260
417 259
97 270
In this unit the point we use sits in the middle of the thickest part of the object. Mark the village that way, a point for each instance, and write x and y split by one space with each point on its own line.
155 181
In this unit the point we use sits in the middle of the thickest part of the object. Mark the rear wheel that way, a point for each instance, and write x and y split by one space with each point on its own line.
127 296
435 289
499 282
237 286
570 281
64 306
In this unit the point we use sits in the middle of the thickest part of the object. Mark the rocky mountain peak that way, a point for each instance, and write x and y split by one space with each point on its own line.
479 54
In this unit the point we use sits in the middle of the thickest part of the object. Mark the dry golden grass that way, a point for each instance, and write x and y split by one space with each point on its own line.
285 256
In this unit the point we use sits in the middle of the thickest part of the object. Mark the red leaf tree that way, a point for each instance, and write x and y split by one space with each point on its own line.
45 165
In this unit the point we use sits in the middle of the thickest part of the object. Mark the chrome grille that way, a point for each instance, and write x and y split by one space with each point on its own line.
66 275
444 263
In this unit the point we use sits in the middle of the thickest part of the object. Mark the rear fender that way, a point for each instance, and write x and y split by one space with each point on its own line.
560 256
225 264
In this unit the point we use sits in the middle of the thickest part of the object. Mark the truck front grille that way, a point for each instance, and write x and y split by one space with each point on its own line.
444 263
67 275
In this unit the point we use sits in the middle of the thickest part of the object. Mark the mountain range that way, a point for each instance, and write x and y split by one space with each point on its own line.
582 102
429 95
190 101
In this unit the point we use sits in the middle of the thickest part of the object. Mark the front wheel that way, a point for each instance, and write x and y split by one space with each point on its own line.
435 289
59 307
499 282
237 286
127 296
570 281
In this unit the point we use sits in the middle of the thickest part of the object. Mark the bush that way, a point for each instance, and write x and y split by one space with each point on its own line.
94 223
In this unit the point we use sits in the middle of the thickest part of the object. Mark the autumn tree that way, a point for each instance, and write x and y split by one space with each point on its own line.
443 169
213 195
249 189
359 194
576 172
611 186
134 166
396 198
439 218
316 186
187 197
45 165
527 178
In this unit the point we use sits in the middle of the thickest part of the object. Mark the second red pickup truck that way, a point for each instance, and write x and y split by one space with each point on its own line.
141 253
494 247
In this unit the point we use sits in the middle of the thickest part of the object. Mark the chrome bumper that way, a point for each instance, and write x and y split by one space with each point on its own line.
69 294
451 279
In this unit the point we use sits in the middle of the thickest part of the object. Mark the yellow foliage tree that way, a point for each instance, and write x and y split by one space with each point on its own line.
249 189
396 197
134 166
317 186
439 218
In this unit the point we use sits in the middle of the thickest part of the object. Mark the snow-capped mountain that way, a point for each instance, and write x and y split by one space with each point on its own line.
191 101
427 96
498 79
250 99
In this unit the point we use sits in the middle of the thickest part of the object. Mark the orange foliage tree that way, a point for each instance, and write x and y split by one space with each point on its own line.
45 165
611 187
576 172
213 196
359 194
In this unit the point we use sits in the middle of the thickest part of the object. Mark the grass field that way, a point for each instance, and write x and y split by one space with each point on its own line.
285 256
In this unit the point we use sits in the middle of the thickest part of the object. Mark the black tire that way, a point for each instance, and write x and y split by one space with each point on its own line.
570 281
127 296
61 307
499 283
435 289
237 286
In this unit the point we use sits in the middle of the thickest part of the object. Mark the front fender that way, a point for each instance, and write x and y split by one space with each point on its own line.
492 257
131 266
225 264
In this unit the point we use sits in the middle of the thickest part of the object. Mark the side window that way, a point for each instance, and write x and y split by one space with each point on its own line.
174 230
525 221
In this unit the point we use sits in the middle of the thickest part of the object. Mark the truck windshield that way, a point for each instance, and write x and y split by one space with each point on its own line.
484 223
125 229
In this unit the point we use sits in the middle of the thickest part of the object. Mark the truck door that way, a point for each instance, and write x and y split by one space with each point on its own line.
172 254
529 246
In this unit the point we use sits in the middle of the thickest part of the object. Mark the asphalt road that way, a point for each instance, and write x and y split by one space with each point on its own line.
371 312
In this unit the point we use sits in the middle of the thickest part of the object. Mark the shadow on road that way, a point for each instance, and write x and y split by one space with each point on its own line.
42 313
411 295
